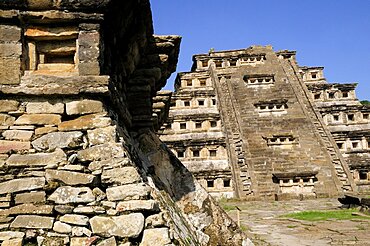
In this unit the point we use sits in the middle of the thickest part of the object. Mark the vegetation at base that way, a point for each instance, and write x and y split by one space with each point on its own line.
343 214
227 208
365 102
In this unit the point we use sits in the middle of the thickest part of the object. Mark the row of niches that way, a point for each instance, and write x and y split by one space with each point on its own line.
268 108
346 118
209 152
196 82
281 140
256 80
195 102
232 62
354 144
296 184
312 75
215 183
61 51
333 95
194 125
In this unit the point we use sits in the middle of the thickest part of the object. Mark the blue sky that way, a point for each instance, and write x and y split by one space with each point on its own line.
330 33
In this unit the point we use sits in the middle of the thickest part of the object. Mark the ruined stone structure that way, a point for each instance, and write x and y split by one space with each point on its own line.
79 161
347 119
252 121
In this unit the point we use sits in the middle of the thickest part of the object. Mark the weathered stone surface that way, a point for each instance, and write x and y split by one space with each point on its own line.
80 231
17 135
12 242
108 242
83 241
6 120
8 105
62 227
155 237
122 226
111 163
68 194
128 192
89 210
31 197
17 185
38 159
138 205
74 219
120 176
55 140
28 209
85 122
6 235
49 84
32 221
102 135
6 146
44 108
84 107
101 152
45 129
69 178
38 119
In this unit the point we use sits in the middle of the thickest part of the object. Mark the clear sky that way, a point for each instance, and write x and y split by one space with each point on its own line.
330 33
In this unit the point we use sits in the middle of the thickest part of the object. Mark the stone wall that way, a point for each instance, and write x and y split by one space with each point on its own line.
79 104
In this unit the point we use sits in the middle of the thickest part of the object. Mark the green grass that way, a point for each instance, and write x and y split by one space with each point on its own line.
228 208
343 214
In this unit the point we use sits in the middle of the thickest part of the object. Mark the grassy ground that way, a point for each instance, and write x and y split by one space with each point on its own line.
342 214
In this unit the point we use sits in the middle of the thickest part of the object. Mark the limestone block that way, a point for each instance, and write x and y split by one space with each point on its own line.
28 209
83 241
39 159
61 227
155 237
80 231
89 68
23 184
69 178
50 32
101 135
128 192
85 122
13 50
38 119
6 235
84 107
10 71
89 210
8 105
32 221
64 209
6 120
120 176
61 140
10 33
44 108
6 146
130 225
101 152
45 129
88 46
155 220
12 242
18 135
75 219
138 205
108 242
31 197
68 194
110 163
